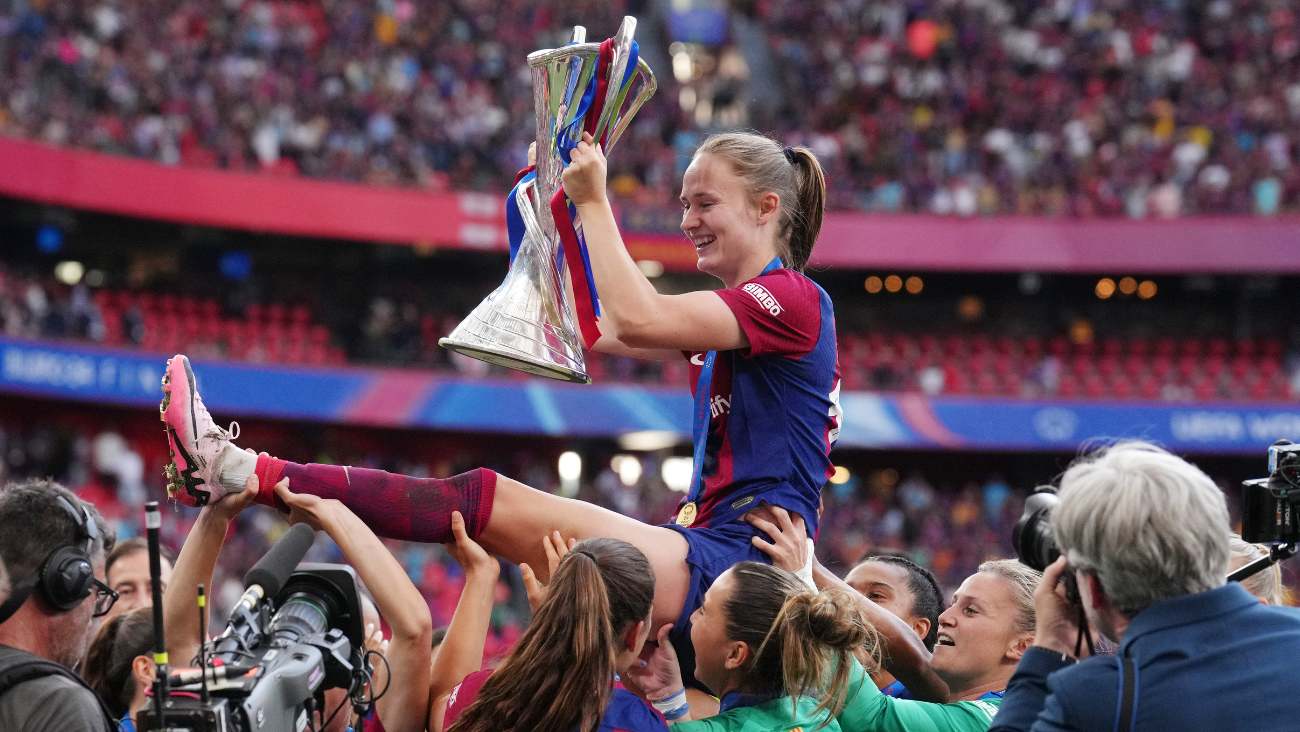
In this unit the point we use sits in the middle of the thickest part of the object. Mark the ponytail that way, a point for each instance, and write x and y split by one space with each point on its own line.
820 632
792 173
110 660
803 642
563 666
806 220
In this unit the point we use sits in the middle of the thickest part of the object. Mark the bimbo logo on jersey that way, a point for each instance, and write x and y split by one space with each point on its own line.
763 297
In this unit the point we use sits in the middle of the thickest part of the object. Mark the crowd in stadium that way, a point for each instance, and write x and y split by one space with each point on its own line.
1090 109
958 535
1164 368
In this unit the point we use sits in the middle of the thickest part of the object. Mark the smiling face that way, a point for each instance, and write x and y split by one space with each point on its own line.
978 640
730 231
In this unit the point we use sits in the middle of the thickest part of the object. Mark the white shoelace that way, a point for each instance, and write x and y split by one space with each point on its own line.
231 433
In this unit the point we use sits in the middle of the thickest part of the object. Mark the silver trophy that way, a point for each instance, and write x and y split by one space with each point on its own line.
527 323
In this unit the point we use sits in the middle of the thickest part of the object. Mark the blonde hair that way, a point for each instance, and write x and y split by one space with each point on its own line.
1265 584
1024 582
797 180
802 641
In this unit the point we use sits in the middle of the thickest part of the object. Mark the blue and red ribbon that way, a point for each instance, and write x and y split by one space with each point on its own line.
572 243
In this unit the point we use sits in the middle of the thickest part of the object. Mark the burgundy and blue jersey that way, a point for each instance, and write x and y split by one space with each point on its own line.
774 407
626 711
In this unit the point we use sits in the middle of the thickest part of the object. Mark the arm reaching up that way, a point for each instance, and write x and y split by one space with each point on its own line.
194 567
402 707
461 652
903 654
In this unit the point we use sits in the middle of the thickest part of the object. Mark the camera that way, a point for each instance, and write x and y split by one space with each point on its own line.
1033 536
1035 539
1269 505
288 641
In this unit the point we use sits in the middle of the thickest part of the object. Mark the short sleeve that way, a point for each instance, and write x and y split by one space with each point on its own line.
463 695
780 312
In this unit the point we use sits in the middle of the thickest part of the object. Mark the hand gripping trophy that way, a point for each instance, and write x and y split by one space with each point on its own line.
528 323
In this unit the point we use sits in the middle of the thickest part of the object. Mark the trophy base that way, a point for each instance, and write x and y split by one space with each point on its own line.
512 360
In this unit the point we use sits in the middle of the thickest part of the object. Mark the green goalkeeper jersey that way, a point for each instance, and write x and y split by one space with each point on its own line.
867 710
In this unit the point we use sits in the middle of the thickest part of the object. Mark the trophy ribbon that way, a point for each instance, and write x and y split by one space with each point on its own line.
586 302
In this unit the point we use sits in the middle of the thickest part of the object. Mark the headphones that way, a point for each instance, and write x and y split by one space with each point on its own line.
66 577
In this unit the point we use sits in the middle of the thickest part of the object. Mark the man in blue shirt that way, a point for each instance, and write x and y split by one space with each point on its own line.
1146 535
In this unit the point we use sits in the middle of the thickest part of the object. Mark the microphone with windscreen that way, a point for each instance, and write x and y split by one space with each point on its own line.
273 570
264 580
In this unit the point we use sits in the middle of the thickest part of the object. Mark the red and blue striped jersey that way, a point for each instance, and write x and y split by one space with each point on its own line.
774 407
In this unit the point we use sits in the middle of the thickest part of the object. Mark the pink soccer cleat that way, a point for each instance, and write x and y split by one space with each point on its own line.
193 478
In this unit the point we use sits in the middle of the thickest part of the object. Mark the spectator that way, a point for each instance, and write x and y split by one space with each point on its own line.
54 544
1145 535
127 571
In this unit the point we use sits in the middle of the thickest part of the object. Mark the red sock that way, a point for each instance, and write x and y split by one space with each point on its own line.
393 506
269 471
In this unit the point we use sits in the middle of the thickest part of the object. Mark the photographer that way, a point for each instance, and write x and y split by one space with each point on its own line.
53 545
1146 538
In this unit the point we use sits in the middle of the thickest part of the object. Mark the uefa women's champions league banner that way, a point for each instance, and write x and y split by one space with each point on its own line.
429 400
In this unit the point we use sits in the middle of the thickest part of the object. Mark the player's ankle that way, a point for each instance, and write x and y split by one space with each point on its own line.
233 467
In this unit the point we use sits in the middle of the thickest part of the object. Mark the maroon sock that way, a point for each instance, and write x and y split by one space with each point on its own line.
393 506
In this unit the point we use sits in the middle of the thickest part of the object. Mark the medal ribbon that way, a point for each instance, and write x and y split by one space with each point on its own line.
703 413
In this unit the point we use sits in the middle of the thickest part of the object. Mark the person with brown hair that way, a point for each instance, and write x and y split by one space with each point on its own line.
564 673
778 655
982 636
762 358
127 571
119 665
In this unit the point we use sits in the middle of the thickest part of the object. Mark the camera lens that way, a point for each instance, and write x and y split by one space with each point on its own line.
1033 537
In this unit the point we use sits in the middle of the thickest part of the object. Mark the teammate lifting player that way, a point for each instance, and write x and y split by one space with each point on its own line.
762 358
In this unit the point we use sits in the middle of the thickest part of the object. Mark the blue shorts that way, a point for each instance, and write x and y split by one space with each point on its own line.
711 551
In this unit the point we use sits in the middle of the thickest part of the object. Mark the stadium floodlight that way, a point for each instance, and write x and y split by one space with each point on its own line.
648 440
69 273
628 468
676 473
570 469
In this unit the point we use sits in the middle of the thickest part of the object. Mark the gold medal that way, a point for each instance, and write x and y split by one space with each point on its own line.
686 516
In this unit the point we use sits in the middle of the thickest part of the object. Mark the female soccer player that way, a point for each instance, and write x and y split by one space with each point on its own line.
981 639
591 623
763 361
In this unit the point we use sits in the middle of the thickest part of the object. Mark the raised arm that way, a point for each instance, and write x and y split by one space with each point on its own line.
903 653
195 566
402 708
633 313
461 652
